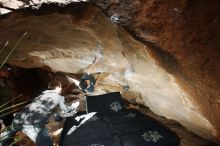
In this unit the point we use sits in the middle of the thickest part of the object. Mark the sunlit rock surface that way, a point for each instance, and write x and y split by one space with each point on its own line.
184 37
7 6
69 42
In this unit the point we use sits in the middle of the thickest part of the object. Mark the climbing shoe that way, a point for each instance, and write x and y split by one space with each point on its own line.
125 88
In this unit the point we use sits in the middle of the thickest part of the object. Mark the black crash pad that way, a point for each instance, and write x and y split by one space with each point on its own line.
131 121
106 104
110 128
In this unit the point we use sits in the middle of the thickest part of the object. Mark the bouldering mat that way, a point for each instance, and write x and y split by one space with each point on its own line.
107 104
102 126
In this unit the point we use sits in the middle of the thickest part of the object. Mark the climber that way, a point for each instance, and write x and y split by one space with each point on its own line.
32 119
6 116
88 81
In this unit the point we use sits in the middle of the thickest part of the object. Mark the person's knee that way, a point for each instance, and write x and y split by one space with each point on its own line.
43 138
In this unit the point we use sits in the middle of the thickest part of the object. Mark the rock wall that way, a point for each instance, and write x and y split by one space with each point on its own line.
184 39
173 68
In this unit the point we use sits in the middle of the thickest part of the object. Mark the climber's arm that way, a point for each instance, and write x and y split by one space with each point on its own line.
98 79
90 69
